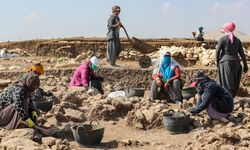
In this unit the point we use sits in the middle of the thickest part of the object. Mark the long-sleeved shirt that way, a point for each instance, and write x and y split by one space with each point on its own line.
82 75
221 99
177 74
16 94
113 31
229 51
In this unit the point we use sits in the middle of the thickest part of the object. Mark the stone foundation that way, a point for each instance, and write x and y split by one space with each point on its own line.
124 77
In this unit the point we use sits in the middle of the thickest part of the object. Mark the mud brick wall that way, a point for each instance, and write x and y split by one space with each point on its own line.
124 77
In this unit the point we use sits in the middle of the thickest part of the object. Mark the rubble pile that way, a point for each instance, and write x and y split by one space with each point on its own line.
78 106
147 114
232 135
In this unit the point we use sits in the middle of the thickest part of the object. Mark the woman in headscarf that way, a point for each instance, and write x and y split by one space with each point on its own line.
39 70
228 50
113 36
85 75
15 103
213 97
199 34
167 76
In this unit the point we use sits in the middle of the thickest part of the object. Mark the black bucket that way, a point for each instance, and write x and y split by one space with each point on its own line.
88 134
188 92
130 92
44 104
176 122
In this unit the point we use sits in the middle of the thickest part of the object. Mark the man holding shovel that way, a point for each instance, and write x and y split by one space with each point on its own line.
114 45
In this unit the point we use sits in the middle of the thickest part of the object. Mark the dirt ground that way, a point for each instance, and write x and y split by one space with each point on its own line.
157 139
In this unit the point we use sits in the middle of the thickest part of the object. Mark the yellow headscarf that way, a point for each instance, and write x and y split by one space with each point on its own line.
37 68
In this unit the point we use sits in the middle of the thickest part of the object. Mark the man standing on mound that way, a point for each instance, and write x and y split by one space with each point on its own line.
114 45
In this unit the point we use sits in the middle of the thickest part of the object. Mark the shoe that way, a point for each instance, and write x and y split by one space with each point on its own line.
224 120
116 65
179 104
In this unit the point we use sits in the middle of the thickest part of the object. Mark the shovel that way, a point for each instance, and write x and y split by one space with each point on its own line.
127 35
46 132
128 39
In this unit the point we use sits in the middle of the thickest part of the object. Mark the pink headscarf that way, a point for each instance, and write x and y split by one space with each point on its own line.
228 29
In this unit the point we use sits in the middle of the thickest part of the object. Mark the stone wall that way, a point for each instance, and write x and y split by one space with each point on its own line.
74 46
123 77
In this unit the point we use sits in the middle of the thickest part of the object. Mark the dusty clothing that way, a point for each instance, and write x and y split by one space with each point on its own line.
199 37
98 85
15 101
9 118
230 75
113 38
113 50
169 73
82 75
228 63
214 114
176 75
214 94
16 94
199 34
173 92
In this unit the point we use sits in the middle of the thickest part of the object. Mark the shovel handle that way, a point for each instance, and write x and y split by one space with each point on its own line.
35 126
127 35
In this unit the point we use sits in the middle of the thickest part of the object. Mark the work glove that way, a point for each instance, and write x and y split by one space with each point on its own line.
34 115
30 123
100 78
245 68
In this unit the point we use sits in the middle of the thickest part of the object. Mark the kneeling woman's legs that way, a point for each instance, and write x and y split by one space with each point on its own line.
154 91
214 114
98 85
9 118
175 91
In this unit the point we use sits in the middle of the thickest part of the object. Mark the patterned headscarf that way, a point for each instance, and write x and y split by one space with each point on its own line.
228 29
30 82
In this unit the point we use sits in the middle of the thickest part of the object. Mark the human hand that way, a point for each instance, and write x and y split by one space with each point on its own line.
245 68
100 78
30 123
167 84
34 115
158 82
119 24
49 94
192 111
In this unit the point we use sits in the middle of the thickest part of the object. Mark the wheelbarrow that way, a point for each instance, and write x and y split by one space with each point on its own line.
142 47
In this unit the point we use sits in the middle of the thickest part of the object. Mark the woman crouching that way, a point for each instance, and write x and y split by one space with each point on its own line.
15 103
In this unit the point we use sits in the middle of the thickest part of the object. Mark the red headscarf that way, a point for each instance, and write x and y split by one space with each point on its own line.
228 29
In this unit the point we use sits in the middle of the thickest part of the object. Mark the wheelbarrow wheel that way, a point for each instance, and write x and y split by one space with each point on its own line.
145 61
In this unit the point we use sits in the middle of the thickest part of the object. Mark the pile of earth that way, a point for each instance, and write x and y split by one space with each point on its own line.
77 105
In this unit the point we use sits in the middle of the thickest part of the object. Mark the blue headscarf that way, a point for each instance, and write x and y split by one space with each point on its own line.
166 69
